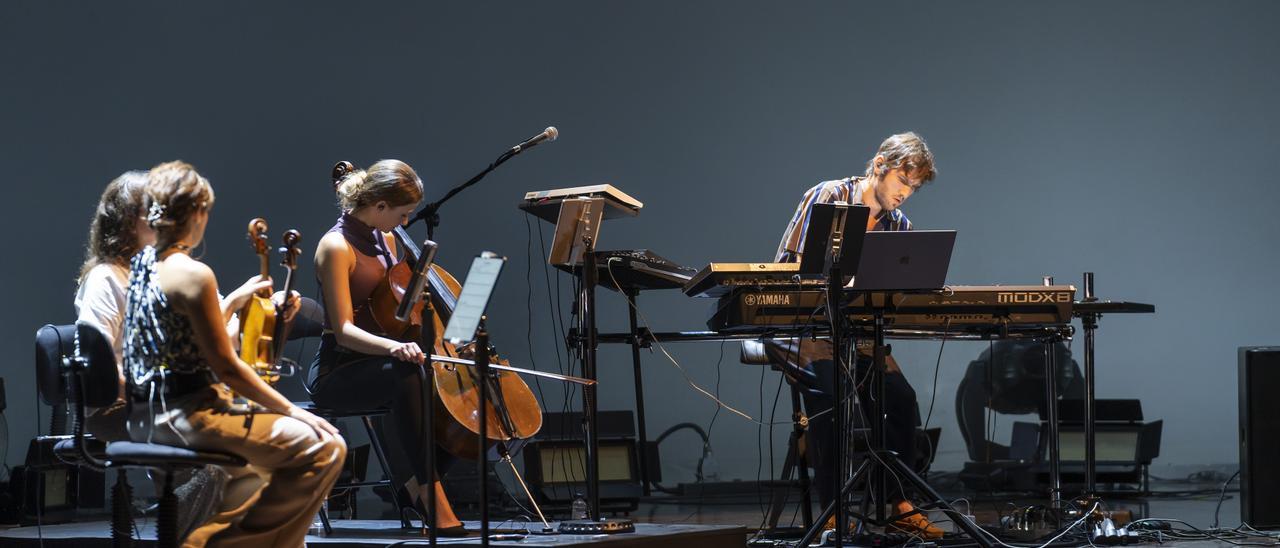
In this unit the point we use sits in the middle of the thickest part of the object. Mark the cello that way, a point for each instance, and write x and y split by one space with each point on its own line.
513 411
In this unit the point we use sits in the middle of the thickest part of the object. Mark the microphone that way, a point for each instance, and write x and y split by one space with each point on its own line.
413 293
548 134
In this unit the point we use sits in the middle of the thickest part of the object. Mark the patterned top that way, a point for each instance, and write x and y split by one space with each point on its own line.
157 338
848 190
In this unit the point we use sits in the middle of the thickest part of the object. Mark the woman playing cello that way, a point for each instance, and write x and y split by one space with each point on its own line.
357 366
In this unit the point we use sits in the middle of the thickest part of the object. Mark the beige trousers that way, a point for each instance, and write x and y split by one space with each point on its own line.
270 502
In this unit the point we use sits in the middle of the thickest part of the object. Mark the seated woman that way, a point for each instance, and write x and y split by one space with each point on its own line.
117 231
179 364
357 366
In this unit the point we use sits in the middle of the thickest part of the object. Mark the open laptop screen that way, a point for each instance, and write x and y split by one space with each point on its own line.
905 260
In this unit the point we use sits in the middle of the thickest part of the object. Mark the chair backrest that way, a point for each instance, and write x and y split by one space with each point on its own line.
753 353
309 322
55 344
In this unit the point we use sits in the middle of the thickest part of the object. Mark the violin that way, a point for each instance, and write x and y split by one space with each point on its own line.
289 260
513 411
258 317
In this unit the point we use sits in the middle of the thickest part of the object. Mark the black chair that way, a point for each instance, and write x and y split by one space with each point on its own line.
309 323
366 417
76 364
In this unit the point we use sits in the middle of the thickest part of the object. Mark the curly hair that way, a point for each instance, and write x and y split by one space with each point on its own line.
175 192
113 236
907 151
390 181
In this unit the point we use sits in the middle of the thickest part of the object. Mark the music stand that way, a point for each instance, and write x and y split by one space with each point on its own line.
837 237
836 228
467 322
577 227
576 234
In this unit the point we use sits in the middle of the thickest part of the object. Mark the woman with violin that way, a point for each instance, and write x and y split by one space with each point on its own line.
117 231
359 365
180 368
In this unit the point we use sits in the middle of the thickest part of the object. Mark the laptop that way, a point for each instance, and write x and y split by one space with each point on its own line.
912 260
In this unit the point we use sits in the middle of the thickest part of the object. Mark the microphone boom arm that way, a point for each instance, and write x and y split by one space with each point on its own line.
431 212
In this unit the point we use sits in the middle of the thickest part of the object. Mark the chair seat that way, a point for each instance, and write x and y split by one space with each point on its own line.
66 449
331 413
132 453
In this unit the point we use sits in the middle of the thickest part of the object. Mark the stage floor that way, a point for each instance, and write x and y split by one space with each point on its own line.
366 533
693 522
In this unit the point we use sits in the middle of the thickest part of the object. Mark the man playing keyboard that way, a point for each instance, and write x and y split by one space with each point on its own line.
899 168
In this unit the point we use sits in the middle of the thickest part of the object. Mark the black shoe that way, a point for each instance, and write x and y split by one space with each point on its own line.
455 531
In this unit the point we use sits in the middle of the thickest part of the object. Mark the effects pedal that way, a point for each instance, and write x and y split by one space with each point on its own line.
605 526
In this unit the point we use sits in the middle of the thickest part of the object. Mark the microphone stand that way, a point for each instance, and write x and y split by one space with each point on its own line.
431 212
429 387
417 292
482 374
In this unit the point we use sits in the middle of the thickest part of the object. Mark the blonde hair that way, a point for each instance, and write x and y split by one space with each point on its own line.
907 151
175 192
113 236
390 181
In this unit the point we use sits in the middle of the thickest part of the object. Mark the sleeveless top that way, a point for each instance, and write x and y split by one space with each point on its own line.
157 339
373 258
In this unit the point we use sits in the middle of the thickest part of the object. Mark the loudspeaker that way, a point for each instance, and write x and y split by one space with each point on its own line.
1260 436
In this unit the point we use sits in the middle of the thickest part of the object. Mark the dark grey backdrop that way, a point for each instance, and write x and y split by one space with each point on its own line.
1131 139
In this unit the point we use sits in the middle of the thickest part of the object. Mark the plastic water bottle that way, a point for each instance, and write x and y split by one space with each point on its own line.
710 467
579 508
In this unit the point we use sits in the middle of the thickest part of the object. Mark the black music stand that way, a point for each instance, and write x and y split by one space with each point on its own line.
878 460
833 245
466 322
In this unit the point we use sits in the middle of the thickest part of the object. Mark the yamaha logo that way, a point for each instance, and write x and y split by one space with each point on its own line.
767 299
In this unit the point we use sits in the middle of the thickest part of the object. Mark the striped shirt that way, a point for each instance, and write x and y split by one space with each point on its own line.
848 190
802 352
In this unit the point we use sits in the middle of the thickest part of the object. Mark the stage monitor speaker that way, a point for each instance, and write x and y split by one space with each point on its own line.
1259 444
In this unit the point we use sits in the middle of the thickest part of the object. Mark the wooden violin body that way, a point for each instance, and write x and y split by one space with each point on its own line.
386 298
258 317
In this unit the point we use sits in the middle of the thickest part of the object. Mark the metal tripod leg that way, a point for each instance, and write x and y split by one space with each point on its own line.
962 521
897 467
830 510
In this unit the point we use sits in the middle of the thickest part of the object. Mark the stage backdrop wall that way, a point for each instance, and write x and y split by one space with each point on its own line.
1133 140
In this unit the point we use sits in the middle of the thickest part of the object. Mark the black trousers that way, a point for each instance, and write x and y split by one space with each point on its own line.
902 417
345 380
